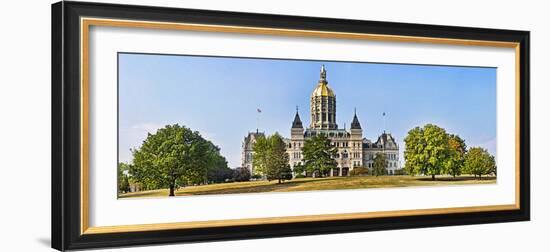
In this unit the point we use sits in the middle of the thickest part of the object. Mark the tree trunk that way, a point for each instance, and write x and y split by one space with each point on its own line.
279 180
433 176
171 190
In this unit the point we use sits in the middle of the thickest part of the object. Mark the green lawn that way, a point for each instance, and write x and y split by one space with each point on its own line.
308 184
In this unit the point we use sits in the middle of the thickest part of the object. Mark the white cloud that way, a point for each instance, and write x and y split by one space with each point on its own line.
147 127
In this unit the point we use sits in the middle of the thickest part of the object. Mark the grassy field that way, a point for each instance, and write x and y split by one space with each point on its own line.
309 184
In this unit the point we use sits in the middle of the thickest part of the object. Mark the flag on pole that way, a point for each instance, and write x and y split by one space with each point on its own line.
384 119
259 110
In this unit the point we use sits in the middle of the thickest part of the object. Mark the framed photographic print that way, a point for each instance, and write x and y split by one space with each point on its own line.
180 125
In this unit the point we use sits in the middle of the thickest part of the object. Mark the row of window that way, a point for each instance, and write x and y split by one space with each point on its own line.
329 134
389 156
388 165
343 155
295 145
322 106
298 155
340 144
346 144
323 117
370 156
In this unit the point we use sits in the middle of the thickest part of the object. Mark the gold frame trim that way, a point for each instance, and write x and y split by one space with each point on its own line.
85 24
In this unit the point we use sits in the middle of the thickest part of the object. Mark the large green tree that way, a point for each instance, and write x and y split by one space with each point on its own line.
379 165
479 162
279 168
271 158
455 159
319 155
262 152
173 154
426 150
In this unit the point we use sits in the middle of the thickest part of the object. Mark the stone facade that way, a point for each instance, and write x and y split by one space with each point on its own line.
247 154
386 145
353 150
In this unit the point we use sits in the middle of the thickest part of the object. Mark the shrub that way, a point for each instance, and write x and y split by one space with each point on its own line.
257 176
400 172
359 171
287 175
241 174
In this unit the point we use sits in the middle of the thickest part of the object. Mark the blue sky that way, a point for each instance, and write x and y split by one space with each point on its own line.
219 96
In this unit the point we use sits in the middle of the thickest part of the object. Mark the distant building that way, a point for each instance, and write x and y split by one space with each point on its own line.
353 150
248 152
386 145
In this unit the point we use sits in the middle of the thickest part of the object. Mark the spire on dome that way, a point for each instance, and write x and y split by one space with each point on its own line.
323 74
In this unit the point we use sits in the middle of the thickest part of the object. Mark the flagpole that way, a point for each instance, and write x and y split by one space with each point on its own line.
384 118
259 111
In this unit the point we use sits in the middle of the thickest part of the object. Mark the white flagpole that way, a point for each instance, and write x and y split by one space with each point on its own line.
258 119
384 118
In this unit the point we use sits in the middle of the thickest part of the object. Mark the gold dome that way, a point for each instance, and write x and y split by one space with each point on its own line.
322 89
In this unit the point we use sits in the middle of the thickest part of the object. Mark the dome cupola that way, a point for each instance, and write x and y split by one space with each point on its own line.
322 88
323 104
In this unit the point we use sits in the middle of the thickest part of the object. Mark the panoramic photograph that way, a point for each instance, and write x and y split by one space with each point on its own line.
204 125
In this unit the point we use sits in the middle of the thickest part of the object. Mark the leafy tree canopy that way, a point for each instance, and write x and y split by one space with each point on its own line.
455 160
426 150
479 162
379 165
174 154
319 155
271 158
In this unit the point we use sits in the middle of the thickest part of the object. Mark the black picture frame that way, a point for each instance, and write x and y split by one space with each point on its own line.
66 155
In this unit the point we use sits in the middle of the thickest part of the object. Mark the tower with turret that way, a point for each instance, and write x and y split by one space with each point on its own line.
323 122
296 143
